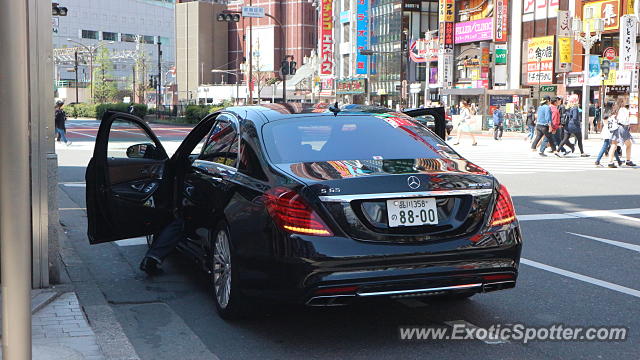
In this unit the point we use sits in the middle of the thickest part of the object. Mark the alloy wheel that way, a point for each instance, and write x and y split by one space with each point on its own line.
222 269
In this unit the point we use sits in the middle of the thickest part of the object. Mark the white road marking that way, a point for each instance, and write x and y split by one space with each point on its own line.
587 279
132 242
469 325
83 134
610 242
73 184
583 214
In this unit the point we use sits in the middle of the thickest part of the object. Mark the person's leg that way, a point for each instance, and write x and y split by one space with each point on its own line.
603 149
612 152
501 131
166 241
627 145
536 140
578 136
473 138
495 131
63 137
531 131
458 134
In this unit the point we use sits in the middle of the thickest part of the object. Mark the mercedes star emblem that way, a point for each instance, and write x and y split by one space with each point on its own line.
413 182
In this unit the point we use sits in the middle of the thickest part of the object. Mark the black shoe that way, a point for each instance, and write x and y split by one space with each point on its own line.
630 163
584 155
542 154
150 266
557 154
620 162
612 165
598 163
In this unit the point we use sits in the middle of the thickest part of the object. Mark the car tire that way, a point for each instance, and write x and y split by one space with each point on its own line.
223 276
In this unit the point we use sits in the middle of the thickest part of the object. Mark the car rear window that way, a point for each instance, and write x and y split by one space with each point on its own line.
328 138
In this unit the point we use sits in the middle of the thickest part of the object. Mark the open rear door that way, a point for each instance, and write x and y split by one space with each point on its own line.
438 115
128 192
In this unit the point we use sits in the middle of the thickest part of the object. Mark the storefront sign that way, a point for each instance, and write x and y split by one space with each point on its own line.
411 5
345 16
500 75
326 38
500 100
448 35
539 9
608 11
446 11
628 46
502 20
548 88
501 54
540 60
362 35
472 31
565 54
445 70
609 53
350 86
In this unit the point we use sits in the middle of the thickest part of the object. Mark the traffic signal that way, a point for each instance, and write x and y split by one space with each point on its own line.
284 68
228 17
58 10
292 67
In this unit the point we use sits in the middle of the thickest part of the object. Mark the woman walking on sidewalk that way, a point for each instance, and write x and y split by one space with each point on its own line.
531 123
621 135
574 125
463 126
60 120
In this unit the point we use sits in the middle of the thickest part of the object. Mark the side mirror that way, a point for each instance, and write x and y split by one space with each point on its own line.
142 151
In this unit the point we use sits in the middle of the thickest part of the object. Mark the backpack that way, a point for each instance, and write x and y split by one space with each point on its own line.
564 119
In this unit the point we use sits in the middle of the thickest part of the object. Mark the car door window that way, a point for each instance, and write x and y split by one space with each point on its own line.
128 140
222 143
249 163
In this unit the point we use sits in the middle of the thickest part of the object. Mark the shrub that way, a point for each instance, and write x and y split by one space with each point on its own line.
139 110
194 113
80 110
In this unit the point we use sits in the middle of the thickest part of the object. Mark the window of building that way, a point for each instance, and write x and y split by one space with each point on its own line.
109 36
148 39
128 37
346 32
165 41
90 34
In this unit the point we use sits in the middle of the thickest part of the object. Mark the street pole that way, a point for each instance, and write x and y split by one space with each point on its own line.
250 80
427 80
159 93
75 67
585 94
91 73
133 90
15 182
369 79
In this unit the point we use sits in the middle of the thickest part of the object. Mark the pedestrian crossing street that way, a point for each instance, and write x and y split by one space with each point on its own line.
514 156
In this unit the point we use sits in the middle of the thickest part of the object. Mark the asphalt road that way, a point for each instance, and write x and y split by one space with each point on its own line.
581 266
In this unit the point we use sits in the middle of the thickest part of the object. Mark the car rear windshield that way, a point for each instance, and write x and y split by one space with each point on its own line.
328 138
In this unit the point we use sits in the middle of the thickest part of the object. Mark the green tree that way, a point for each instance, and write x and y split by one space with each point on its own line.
104 88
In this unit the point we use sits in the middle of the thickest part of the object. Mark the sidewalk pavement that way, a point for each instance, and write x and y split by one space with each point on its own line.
59 329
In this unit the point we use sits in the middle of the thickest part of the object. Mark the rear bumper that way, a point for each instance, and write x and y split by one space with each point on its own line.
330 271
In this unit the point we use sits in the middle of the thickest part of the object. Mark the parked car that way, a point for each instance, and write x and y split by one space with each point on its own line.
308 204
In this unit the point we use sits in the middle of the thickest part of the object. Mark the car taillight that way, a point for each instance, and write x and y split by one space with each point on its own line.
289 211
503 212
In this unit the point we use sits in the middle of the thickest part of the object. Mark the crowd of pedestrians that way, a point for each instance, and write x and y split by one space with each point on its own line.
556 121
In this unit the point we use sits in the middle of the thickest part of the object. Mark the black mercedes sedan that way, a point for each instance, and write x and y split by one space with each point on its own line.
310 204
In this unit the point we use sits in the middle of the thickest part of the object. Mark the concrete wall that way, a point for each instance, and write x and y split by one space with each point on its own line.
201 45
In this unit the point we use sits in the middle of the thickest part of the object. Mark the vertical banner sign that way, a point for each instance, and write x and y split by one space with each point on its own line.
326 38
502 21
445 70
362 35
540 60
628 46
564 44
594 70
608 11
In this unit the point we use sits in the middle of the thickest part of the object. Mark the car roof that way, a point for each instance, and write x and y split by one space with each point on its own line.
274 112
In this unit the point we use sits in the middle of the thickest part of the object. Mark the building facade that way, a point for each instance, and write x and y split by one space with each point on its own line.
118 24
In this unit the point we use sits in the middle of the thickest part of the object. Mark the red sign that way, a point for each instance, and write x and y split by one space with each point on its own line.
609 53
326 38
502 19
448 35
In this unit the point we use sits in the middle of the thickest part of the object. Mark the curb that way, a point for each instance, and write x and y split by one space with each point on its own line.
42 299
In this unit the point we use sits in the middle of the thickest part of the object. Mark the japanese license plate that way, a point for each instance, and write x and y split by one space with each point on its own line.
412 212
